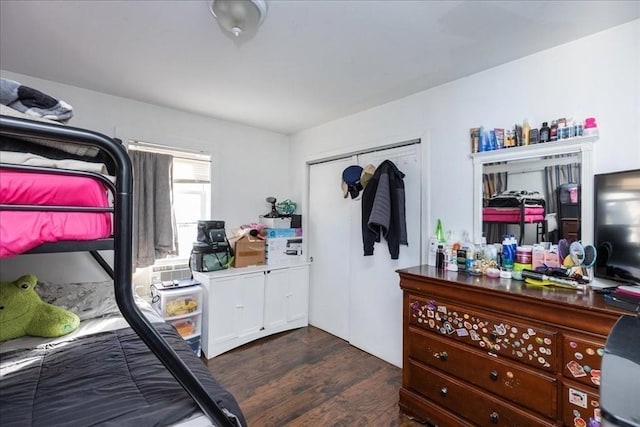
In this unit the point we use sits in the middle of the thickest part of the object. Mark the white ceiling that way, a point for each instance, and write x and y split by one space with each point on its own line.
309 63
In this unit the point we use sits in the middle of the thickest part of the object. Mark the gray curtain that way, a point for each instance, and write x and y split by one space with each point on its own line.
493 183
558 175
154 225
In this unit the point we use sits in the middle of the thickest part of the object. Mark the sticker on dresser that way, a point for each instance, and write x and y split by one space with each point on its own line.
499 337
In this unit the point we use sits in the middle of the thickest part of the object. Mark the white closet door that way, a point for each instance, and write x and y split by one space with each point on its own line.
375 298
329 234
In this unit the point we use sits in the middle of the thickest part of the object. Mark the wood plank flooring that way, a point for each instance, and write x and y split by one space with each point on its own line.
307 377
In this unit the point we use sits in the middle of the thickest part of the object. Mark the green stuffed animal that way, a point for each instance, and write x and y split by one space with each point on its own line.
22 312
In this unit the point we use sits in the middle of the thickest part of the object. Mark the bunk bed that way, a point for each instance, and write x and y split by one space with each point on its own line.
123 369
517 207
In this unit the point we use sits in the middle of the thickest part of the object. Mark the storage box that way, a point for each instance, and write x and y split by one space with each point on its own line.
187 327
275 222
170 303
284 246
249 251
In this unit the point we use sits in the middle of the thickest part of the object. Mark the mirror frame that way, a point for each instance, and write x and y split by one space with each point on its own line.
582 145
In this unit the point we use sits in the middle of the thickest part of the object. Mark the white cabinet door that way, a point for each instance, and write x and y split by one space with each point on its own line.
250 305
223 315
286 297
275 298
298 296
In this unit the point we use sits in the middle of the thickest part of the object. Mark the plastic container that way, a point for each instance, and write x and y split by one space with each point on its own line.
187 327
524 254
590 127
177 302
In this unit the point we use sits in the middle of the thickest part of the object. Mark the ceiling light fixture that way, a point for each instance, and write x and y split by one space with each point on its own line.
239 17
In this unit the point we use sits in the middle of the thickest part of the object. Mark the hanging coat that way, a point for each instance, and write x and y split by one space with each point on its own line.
383 210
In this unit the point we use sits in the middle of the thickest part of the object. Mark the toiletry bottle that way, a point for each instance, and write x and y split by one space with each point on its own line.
525 132
553 131
440 258
440 232
544 132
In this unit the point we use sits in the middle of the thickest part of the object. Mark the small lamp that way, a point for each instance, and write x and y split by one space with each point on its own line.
239 17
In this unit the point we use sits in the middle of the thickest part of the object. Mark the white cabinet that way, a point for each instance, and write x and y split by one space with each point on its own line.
244 304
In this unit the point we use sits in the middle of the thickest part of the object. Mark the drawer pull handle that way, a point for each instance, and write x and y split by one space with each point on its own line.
494 417
493 375
442 356
443 392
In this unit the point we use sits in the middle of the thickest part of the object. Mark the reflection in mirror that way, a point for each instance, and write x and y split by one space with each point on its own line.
535 199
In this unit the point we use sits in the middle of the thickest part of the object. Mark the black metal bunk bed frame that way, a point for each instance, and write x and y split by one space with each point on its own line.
121 243
541 226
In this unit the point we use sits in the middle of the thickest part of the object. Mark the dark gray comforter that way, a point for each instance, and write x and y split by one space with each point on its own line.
107 379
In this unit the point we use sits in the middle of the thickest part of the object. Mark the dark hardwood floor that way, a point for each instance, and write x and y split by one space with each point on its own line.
307 377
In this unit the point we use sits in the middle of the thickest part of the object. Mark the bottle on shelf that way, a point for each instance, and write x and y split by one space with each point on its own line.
440 232
525 132
553 131
544 132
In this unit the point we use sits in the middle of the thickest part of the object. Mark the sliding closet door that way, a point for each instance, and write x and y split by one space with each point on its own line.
329 234
375 298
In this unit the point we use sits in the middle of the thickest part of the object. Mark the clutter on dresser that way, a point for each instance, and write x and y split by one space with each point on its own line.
486 139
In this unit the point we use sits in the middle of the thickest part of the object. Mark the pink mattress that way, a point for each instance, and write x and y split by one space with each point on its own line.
512 215
21 231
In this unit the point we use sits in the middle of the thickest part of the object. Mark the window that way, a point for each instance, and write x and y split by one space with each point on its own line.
191 199
191 193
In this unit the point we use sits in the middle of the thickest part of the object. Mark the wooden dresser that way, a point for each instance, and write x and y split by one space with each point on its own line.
482 351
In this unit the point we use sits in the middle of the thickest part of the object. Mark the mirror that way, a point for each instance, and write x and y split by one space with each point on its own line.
524 168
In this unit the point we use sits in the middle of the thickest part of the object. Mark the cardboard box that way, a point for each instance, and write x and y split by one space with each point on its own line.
284 246
249 251
275 222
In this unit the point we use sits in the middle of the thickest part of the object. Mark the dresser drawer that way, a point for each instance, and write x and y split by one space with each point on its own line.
521 385
467 401
581 359
580 405
516 340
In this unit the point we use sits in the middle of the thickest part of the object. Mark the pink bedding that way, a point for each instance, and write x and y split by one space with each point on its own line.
512 215
21 231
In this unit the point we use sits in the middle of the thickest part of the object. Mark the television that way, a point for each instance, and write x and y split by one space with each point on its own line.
617 225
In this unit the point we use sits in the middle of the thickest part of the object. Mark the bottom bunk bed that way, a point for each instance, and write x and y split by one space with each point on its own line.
102 373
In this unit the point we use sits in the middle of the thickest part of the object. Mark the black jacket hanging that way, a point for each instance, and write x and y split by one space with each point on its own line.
383 210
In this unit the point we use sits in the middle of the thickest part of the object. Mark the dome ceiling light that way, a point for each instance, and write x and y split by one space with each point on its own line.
239 17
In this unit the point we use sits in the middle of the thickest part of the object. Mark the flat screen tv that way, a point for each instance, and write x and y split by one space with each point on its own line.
617 225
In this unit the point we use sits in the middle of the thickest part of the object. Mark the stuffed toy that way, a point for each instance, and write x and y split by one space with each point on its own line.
22 312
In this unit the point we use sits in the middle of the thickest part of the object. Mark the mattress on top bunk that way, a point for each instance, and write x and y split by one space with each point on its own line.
512 215
21 231
102 374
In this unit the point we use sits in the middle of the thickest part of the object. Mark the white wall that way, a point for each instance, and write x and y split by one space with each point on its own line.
248 164
595 76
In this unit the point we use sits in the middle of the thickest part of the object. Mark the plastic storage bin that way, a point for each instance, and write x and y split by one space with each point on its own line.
172 303
187 327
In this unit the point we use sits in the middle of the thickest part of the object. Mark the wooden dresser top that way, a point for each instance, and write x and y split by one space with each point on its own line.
572 308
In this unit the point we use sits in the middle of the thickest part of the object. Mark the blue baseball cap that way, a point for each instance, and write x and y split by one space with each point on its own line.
351 181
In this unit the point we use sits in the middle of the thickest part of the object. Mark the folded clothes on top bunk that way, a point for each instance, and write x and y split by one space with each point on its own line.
33 102
29 159
57 151
515 198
